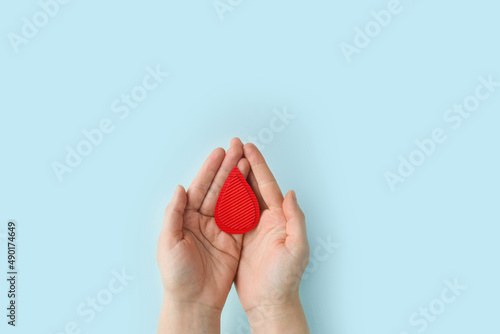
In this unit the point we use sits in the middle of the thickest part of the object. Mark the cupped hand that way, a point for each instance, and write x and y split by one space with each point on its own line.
275 254
197 261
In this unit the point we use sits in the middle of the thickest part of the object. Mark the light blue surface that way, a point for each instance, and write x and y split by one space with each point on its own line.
352 122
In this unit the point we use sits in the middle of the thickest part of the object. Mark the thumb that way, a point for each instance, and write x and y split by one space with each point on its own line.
295 220
172 221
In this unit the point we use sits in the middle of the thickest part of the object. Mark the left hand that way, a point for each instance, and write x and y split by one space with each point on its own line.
197 261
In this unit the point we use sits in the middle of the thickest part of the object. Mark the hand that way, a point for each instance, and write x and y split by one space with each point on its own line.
198 261
274 256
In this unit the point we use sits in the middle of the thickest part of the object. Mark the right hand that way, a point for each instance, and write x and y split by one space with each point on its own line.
275 254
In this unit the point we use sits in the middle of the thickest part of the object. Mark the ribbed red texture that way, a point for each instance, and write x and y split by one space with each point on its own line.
237 210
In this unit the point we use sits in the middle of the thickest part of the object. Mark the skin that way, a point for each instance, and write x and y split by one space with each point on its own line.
198 262
274 256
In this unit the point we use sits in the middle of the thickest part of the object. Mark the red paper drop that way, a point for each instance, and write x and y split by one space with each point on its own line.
237 210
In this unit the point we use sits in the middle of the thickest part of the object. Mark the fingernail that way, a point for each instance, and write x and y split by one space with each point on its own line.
178 188
294 196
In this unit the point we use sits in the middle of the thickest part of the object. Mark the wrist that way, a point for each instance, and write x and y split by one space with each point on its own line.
287 317
186 318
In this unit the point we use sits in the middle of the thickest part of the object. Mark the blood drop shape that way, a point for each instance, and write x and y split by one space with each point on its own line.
237 210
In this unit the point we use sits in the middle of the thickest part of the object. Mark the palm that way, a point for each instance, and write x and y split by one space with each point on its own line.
274 254
198 261
263 272
205 259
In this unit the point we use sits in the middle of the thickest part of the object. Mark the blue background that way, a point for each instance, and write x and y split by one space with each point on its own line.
352 122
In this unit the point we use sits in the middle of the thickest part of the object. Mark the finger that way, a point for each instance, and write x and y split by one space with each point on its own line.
172 221
201 183
295 219
267 184
252 182
244 167
233 155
